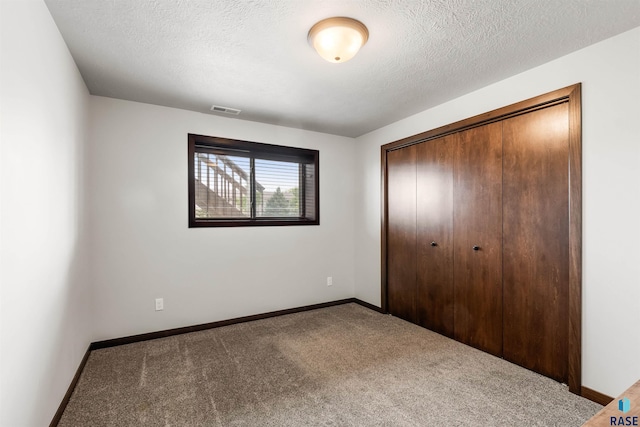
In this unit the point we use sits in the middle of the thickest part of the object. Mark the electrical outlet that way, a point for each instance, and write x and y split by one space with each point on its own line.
159 304
329 281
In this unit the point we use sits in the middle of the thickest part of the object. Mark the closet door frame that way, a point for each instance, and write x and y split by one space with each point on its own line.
572 96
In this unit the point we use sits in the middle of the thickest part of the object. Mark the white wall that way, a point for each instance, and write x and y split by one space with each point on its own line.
44 309
610 74
143 249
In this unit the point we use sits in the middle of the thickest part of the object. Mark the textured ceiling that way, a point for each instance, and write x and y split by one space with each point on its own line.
253 54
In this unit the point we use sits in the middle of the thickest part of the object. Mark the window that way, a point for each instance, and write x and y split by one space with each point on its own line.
241 183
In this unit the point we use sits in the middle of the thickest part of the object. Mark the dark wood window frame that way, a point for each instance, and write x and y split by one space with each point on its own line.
309 193
572 96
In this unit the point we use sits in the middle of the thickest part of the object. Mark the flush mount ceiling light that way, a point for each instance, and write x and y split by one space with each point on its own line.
338 39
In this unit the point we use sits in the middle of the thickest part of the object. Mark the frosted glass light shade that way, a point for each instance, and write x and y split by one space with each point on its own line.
338 39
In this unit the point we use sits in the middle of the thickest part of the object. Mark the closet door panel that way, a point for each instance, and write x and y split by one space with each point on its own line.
435 234
536 236
477 223
401 233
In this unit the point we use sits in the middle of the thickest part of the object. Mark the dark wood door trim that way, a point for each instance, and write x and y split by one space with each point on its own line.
572 96
575 239
567 94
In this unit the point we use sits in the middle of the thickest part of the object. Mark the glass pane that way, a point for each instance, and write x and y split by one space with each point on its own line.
277 189
222 186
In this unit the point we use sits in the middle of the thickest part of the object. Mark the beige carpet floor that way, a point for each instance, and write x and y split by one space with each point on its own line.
338 366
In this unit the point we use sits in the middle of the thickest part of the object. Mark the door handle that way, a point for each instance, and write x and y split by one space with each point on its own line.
476 248
434 244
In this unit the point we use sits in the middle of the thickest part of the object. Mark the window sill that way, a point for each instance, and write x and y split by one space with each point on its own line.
242 222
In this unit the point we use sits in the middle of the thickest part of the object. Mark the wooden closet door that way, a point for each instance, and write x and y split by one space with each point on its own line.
435 234
477 223
401 233
536 240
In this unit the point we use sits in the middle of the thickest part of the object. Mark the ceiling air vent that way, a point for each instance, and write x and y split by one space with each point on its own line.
225 110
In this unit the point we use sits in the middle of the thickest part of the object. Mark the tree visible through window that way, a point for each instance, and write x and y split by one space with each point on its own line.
235 182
